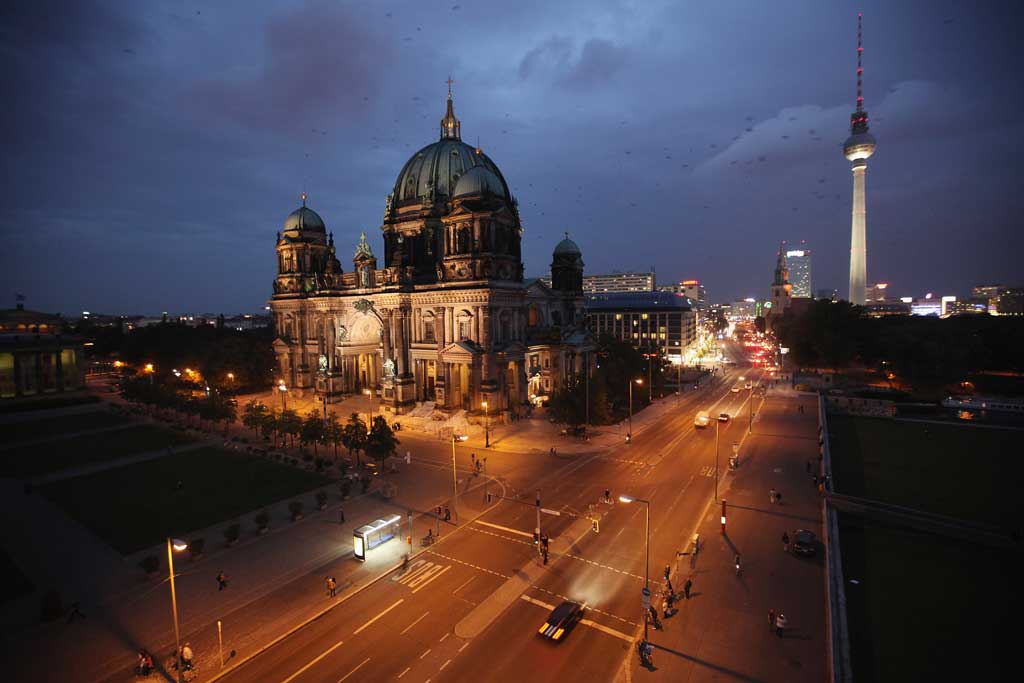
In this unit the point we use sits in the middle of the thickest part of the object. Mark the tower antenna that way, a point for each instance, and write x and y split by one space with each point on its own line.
860 68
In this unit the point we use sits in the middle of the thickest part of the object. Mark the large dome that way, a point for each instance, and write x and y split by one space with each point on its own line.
304 219
567 248
438 167
479 181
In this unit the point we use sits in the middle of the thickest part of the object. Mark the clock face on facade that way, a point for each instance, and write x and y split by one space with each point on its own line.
323 363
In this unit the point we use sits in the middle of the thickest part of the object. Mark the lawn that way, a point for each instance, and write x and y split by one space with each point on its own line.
57 426
956 470
29 461
927 608
13 583
139 505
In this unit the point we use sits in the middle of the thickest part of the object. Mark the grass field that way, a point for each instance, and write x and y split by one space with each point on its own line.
961 471
57 426
927 608
53 456
139 505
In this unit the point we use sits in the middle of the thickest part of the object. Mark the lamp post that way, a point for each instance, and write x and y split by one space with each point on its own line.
283 390
718 425
629 436
455 476
487 426
179 545
148 369
647 544
369 407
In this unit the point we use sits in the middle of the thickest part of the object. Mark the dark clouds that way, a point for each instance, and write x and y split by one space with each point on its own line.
151 153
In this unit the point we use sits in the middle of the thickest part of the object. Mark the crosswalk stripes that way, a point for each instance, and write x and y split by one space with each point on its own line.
420 573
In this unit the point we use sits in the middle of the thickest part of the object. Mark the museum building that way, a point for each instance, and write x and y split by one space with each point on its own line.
449 318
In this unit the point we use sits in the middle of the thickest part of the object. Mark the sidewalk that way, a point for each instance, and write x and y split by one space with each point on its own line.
722 631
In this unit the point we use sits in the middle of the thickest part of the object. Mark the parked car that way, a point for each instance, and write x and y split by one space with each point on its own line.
805 543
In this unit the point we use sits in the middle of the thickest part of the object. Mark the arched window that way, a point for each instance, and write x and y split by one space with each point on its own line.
464 325
505 326
428 328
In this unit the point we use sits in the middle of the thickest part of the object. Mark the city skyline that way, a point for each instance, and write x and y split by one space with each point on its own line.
157 176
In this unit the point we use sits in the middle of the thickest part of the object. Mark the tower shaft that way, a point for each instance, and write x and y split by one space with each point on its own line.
858 237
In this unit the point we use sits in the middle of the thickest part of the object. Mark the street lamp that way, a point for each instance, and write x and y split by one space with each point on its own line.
283 389
148 369
629 435
718 425
487 426
369 400
455 476
178 545
647 544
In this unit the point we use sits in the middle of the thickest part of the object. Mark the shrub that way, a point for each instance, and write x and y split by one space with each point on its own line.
232 532
262 519
321 498
150 564
346 487
295 507
307 456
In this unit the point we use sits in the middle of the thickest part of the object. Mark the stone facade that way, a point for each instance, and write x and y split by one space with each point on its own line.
448 318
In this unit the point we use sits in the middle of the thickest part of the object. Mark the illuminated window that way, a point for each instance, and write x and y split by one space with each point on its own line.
618 316
644 316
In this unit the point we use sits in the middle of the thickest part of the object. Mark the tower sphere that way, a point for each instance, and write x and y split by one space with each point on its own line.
860 145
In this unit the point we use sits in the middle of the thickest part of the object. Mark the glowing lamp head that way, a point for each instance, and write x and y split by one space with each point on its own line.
461 437
626 499
639 381
149 367
179 544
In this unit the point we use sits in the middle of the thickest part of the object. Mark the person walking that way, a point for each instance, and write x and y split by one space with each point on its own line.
447 514
771 496
785 541
76 613
780 624
341 515
654 618
332 586
666 609
771 619
222 581
686 588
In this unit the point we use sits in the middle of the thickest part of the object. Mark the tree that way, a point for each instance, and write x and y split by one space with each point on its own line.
760 324
312 430
270 422
289 423
568 403
353 435
381 441
253 415
333 433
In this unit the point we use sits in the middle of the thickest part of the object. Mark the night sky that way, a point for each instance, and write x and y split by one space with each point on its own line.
151 151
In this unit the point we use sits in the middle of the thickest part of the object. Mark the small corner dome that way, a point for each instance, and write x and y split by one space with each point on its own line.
478 181
567 248
304 219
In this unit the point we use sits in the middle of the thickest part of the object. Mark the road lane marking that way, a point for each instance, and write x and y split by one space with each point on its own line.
378 616
444 665
535 601
353 670
483 569
326 652
505 528
427 652
419 588
464 646
404 672
463 585
414 623
444 636
605 629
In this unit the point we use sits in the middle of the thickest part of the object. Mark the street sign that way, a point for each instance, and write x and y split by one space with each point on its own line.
645 597
556 513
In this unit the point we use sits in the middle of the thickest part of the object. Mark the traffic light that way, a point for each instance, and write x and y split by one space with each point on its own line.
595 525
535 538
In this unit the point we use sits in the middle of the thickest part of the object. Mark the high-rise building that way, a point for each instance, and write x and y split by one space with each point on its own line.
857 148
661 322
618 282
799 263
695 291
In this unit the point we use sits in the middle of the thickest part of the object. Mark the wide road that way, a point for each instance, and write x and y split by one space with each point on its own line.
404 626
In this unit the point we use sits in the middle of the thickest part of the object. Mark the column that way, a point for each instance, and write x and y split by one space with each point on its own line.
399 322
387 316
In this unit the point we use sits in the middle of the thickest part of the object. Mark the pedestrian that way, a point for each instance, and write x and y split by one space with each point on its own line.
771 619
808 467
186 657
341 515
780 624
654 618
686 588
665 610
785 541
408 458
76 613
771 496
331 586
447 514
472 459
815 480
671 597
222 581
778 498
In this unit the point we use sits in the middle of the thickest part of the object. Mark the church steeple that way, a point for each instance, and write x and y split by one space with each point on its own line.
781 269
451 129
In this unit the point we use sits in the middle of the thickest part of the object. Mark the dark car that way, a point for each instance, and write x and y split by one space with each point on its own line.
805 542
723 417
561 619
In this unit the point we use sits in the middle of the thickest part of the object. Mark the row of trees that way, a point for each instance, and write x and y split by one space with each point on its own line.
377 441
618 365
924 350
210 406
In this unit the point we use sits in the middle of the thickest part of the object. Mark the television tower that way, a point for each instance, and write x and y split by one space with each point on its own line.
857 148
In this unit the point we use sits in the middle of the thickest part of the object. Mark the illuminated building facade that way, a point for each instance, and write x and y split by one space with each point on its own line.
798 261
448 318
663 322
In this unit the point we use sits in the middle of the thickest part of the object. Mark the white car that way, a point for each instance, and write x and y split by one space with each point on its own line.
735 390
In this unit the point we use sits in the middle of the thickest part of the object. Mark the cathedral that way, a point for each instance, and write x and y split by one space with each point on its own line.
449 318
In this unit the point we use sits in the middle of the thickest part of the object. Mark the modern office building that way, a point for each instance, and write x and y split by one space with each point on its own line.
618 282
650 321
876 292
799 263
